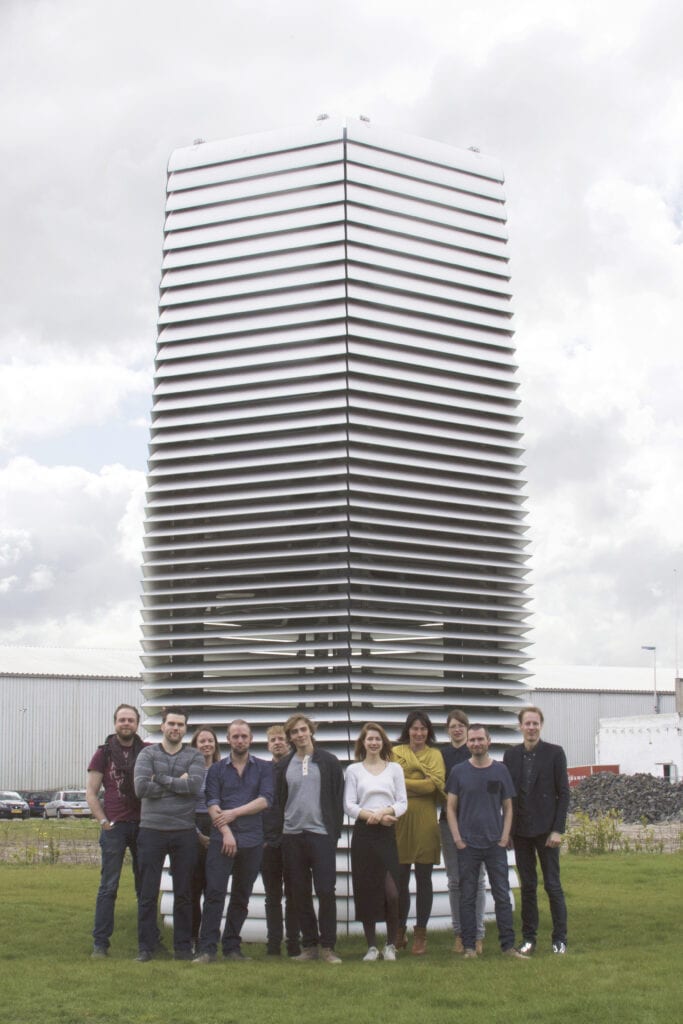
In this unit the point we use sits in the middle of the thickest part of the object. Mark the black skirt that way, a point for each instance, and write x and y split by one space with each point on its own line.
373 856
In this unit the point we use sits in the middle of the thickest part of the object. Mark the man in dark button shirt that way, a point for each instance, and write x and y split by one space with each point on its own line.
539 772
238 789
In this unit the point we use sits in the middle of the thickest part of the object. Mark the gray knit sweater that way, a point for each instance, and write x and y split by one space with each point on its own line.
168 802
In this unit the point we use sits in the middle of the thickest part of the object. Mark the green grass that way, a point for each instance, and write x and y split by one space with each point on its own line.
623 964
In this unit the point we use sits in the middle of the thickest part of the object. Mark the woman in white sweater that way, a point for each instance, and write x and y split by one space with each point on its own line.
375 797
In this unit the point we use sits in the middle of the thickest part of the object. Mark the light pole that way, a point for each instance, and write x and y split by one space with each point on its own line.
652 647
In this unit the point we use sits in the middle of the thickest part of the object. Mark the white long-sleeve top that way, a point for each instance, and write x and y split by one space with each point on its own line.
365 791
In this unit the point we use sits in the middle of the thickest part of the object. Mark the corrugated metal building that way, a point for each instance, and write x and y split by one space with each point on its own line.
574 698
57 707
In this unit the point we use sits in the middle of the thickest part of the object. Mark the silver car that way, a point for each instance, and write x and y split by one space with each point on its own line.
68 803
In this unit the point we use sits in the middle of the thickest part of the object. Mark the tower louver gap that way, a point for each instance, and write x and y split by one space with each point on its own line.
335 515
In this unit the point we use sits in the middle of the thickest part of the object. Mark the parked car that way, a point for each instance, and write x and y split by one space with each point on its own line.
67 803
12 805
36 802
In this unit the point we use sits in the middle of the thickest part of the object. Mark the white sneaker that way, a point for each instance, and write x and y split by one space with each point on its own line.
389 952
372 954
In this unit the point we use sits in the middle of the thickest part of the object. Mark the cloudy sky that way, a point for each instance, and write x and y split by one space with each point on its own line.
582 103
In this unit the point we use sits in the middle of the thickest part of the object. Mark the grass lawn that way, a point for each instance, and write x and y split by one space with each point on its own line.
624 964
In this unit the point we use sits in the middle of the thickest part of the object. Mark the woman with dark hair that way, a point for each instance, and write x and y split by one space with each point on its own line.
375 797
417 832
206 742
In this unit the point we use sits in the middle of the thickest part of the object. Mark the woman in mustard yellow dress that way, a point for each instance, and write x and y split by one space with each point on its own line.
417 831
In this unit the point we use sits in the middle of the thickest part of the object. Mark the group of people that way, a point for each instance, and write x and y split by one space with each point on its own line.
222 821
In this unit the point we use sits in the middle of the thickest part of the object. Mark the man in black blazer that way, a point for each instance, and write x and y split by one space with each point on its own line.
539 772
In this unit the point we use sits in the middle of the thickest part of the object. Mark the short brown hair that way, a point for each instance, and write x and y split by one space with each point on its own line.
476 726
458 715
359 750
127 707
180 712
273 730
293 719
534 711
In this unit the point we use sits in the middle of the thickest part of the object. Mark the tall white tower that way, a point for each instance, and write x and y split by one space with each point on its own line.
335 509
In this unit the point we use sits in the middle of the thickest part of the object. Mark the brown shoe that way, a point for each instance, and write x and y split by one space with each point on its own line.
515 953
401 940
457 945
479 946
307 953
329 956
419 942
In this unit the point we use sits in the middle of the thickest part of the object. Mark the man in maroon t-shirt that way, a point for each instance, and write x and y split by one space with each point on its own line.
112 767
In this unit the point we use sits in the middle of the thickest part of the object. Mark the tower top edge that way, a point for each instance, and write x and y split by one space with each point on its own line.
327 130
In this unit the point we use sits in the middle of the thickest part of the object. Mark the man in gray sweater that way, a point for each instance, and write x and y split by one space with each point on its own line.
168 778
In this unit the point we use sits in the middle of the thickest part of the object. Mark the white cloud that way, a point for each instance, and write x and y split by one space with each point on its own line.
114 626
14 545
53 396
75 556
130 525
40 578
7 582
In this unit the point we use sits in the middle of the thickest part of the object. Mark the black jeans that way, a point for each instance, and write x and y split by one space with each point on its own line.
527 848
181 847
308 857
203 823
273 880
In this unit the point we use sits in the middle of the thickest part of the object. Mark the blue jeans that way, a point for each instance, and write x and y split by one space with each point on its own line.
496 862
450 859
309 857
181 847
244 867
527 848
114 842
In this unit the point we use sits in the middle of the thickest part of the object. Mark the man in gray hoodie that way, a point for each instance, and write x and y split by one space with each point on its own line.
168 778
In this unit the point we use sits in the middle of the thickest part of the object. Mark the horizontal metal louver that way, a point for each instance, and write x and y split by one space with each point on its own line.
335 516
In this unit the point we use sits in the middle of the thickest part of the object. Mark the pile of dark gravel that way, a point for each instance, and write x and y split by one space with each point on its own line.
635 797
